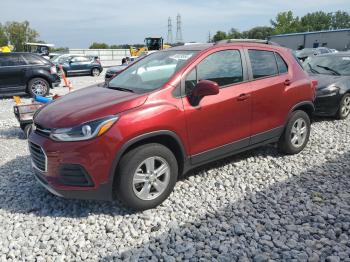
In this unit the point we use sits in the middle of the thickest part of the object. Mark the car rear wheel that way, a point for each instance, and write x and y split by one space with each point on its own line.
344 108
146 176
38 87
95 72
296 134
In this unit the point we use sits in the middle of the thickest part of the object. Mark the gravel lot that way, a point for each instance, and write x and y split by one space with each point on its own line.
259 205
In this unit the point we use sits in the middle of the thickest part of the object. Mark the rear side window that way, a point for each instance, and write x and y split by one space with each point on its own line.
263 63
12 60
224 68
33 60
81 59
282 65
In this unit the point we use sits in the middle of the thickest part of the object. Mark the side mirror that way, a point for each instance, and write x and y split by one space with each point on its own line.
203 88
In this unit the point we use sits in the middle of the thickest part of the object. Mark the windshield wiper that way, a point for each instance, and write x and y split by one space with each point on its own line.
312 69
121 89
329 69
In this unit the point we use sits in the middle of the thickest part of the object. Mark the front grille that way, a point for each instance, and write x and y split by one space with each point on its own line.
39 158
42 131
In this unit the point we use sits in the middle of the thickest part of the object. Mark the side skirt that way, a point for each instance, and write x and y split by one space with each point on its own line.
268 137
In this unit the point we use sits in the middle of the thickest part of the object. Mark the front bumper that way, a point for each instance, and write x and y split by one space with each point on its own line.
94 156
327 105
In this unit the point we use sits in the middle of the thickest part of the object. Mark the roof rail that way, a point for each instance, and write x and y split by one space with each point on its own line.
244 40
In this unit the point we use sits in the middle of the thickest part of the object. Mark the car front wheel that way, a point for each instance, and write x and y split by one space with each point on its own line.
38 87
146 176
296 133
344 108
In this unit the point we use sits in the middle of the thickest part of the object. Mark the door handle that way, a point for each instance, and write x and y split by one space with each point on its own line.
243 97
287 82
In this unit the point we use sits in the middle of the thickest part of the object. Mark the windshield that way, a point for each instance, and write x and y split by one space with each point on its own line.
152 72
328 65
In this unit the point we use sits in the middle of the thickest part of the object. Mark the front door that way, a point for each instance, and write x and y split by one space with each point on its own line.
220 123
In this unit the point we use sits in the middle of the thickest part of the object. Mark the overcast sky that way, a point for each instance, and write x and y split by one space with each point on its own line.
77 23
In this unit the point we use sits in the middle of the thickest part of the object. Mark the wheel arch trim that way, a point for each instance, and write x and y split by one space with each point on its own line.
141 138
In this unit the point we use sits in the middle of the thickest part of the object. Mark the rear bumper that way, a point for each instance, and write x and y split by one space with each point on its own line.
55 80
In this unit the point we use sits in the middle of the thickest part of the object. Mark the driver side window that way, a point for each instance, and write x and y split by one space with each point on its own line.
190 81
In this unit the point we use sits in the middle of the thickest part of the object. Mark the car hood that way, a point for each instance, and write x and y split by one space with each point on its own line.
325 80
116 69
85 105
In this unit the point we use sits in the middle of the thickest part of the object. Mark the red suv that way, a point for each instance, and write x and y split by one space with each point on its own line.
167 113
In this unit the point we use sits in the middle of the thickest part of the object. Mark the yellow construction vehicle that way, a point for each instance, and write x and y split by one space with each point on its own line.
6 48
151 44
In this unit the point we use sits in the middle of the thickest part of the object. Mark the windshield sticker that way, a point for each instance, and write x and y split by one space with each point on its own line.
181 56
346 58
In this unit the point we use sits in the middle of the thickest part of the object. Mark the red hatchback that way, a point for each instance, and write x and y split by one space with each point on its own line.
169 112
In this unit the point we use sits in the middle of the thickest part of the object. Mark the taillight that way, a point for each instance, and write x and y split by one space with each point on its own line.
314 86
53 70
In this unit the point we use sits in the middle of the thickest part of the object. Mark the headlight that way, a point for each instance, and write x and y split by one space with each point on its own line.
84 131
329 90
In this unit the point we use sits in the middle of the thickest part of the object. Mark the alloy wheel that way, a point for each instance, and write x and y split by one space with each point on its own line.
39 87
151 178
95 72
298 133
345 107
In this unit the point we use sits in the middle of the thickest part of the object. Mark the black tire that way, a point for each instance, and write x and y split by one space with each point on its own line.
38 86
27 130
286 144
344 110
128 165
95 72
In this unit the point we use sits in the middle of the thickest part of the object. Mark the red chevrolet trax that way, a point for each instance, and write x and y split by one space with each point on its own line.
166 114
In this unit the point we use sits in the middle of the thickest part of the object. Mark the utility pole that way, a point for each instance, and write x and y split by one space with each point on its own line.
178 29
170 32
209 38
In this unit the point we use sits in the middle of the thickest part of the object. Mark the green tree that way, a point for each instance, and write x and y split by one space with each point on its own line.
340 19
18 33
220 35
3 38
258 32
234 34
96 45
316 21
286 23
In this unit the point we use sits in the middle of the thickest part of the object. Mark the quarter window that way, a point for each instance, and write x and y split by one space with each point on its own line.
32 60
263 63
282 65
224 68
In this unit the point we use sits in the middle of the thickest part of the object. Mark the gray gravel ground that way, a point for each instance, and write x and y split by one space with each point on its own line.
257 206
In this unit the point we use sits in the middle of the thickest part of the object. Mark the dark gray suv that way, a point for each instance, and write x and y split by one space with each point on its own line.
27 72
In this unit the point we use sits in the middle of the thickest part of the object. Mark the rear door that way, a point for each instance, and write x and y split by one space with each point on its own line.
268 86
220 123
12 72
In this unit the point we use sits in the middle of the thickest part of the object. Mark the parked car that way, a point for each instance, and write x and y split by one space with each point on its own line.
26 72
332 71
78 64
307 52
168 113
115 70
